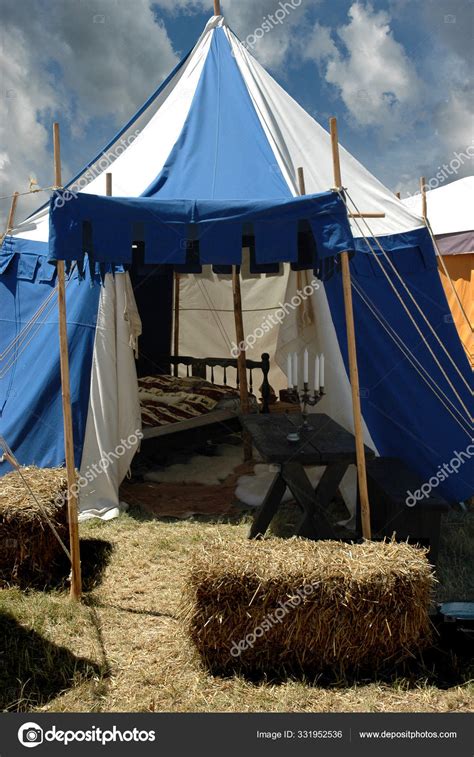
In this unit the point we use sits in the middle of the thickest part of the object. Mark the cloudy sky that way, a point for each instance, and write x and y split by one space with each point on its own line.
396 73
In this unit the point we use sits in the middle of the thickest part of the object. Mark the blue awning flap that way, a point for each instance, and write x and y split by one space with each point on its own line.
170 225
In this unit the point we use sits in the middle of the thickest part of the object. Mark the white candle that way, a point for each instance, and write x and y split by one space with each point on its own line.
321 370
289 371
295 369
305 367
316 374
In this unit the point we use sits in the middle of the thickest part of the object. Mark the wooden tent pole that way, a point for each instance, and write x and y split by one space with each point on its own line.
76 580
301 181
11 216
423 198
351 344
108 184
177 284
241 359
217 8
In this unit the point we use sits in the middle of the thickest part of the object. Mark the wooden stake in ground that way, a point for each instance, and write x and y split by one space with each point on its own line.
351 344
241 359
76 580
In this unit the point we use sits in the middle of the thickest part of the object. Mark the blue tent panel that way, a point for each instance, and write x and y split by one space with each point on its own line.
222 152
30 384
406 420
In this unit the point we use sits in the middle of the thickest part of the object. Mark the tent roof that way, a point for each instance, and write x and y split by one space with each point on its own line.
221 128
449 207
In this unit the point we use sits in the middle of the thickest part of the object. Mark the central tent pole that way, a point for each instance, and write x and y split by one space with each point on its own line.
241 358
72 502
217 8
177 282
351 346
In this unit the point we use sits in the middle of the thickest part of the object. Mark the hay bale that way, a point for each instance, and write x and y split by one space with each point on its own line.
294 605
29 551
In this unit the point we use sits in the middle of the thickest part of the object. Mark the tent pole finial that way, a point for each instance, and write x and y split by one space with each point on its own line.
217 8
72 501
351 343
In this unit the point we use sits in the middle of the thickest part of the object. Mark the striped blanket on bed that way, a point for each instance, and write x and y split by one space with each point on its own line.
168 399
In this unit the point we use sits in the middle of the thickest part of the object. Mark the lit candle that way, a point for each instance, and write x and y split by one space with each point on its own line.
305 367
295 369
321 370
289 371
316 374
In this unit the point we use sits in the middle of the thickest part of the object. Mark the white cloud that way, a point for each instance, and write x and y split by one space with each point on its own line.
320 45
72 62
375 79
267 26
27 97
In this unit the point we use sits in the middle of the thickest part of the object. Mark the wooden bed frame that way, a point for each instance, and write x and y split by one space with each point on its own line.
225 420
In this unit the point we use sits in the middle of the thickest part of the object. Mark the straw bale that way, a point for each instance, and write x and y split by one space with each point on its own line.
29 551
296 604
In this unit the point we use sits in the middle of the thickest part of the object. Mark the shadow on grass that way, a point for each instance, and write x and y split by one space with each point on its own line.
95 557
236 518
33 670
447 664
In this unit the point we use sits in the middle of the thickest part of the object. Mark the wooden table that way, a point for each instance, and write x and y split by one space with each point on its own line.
327 444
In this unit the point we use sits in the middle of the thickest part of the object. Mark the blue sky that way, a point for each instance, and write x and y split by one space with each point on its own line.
396 73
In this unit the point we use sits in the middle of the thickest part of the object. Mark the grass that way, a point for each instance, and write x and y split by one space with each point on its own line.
456 556
124 649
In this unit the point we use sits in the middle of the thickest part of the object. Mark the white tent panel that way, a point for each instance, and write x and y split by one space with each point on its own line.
449 207
207 325
298 140
113 421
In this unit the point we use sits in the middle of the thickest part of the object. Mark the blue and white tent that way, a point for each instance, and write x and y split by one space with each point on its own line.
221 137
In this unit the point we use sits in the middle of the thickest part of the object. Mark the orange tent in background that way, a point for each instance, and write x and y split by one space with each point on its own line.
461 272
451 217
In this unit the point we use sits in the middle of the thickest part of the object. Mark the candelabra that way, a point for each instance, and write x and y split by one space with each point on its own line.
305 399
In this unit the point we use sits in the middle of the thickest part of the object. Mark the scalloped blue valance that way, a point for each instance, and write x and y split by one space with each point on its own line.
105 227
